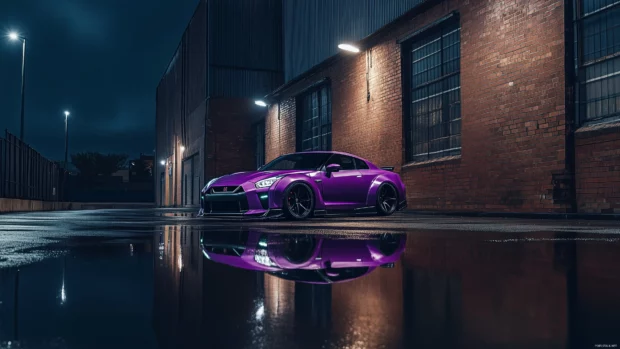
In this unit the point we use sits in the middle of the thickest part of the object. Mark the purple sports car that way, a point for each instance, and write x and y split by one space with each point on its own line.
308 258
306 184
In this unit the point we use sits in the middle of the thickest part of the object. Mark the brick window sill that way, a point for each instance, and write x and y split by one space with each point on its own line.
598 129
427 163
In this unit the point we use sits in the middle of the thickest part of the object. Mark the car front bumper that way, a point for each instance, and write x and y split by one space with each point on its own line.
250 203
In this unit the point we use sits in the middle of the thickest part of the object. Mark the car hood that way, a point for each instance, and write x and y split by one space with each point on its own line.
252 177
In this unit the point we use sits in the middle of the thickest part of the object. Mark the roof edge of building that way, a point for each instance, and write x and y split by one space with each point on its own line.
416 10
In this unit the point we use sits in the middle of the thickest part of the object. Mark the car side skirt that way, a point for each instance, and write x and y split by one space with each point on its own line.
271 213
360 210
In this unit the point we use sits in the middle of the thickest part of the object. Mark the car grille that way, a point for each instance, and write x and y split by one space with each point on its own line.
232 206
226 190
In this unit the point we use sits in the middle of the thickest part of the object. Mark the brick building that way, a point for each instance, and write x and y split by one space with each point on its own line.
480 105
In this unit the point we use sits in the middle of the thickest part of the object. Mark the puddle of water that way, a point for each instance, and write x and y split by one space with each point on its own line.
186 287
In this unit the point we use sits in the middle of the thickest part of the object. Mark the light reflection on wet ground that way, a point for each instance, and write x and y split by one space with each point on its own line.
142 285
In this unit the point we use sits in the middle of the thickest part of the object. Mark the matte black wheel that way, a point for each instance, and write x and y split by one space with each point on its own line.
298 201
387 199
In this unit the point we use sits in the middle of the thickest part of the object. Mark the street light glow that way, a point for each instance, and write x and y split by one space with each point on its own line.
67 113
163 162
63 294
260 103
13 36
348 47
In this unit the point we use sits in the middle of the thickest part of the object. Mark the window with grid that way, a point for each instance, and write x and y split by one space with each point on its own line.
598 44
433 120
259 138
314 129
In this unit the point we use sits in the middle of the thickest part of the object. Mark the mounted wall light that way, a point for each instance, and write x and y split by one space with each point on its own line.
163 162
182 148
260 103
349 48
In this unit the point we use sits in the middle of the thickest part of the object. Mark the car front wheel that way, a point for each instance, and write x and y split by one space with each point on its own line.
298 201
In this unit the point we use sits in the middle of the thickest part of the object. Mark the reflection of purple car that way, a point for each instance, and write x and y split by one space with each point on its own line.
300 185
310 258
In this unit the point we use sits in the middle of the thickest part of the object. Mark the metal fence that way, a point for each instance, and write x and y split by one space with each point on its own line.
26 174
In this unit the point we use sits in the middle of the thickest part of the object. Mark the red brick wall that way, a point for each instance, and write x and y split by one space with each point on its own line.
597 160
280 129
230 141
512 92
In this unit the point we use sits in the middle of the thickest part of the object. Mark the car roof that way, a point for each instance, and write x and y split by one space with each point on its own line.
325 152
335 152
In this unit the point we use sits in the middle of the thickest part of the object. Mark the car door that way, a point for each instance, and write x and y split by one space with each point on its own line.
367 178
342 189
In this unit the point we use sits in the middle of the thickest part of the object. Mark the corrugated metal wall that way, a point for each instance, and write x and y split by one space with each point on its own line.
245 47
169 106
195 52
314 28
231 48
183 88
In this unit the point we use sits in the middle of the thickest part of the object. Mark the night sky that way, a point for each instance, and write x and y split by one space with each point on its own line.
101 59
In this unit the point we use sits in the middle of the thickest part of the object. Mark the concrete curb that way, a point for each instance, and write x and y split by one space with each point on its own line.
18 205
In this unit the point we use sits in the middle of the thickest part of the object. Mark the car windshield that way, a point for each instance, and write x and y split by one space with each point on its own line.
306 161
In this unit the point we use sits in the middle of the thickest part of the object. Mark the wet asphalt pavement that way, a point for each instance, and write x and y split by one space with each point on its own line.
166 279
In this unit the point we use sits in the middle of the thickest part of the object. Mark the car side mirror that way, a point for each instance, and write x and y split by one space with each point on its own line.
332 168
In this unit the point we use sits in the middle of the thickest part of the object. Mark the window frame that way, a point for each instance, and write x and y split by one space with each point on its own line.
443 26
301 112
581 65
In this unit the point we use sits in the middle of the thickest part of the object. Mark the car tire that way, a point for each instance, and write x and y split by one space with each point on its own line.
298 201
387 199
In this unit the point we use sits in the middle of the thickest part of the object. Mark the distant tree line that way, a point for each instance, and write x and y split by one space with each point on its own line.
92 164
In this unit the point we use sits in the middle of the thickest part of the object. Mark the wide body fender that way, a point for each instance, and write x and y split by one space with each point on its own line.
391 178
276 192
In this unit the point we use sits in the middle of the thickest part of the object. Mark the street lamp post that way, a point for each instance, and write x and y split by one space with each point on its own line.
66 137
14 37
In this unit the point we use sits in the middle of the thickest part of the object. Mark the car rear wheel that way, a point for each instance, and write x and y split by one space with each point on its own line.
298 201
387 199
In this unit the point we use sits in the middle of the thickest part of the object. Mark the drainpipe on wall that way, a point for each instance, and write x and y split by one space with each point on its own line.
571 112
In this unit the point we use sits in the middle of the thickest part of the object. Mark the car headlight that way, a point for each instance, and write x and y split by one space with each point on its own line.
204 190
266 183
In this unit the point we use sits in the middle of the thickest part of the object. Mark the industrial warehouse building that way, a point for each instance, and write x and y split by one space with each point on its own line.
230 53
480 105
